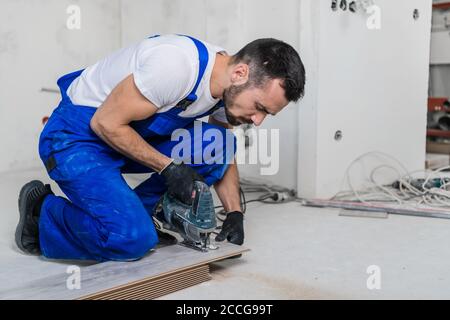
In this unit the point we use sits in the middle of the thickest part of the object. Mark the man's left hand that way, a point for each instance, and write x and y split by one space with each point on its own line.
232 228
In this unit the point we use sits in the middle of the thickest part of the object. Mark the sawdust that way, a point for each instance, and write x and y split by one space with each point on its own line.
282 287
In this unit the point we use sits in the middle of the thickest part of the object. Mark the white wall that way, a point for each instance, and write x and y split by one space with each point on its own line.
39 26
440 80
36 48
371 84
440 54
230 24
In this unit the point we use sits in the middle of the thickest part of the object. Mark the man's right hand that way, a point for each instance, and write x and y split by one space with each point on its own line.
180 181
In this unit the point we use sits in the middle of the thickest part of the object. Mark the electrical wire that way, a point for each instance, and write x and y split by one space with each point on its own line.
271 194
416 189
411 191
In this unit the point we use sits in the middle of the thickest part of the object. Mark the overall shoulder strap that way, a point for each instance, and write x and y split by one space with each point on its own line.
203 57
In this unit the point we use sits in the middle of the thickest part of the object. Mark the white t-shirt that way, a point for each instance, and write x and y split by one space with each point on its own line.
165 71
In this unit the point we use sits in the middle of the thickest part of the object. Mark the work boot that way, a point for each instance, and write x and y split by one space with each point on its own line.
31 197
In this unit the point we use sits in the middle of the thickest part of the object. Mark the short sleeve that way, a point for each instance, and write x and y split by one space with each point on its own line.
164 74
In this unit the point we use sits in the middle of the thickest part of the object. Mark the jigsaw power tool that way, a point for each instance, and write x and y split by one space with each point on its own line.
195 222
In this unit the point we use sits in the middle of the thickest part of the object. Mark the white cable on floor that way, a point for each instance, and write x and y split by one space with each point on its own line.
406 194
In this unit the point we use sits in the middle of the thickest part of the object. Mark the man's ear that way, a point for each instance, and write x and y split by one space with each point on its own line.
240 74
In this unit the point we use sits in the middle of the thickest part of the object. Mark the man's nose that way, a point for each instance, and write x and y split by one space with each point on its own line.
258 118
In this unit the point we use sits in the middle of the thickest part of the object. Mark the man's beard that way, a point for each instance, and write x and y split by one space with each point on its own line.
231 119
229 97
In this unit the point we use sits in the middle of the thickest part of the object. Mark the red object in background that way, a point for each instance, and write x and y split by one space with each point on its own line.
437 104
438 133
443 5
45 120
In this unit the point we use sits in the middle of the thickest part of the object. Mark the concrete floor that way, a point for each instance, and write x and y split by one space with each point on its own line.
297 253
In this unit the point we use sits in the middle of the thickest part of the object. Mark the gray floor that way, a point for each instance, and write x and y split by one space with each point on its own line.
297 253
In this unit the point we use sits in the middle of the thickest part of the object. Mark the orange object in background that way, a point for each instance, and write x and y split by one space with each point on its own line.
442 5
437 104
45 120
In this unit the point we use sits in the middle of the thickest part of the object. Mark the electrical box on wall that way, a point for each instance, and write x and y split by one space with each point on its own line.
367 87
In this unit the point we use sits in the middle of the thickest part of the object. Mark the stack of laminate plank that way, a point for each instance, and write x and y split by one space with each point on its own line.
163 271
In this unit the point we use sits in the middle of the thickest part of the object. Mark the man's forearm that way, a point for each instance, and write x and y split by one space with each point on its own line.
128 142
228 190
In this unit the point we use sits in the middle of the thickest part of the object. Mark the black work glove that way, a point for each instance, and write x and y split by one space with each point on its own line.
232 228
180 181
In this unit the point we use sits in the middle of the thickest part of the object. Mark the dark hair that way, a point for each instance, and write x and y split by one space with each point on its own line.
270 59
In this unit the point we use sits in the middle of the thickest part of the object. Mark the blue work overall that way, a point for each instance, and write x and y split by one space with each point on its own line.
104 219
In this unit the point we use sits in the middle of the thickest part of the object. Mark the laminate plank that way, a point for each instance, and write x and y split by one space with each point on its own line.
151 289
101 277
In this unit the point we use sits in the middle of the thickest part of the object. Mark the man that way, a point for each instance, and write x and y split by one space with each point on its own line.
118 116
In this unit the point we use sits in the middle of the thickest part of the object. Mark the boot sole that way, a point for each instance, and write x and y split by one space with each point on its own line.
23 211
